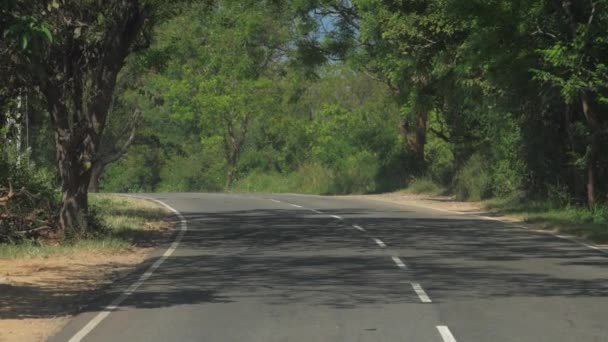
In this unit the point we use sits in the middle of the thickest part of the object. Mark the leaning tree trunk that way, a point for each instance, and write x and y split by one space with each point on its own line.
96 173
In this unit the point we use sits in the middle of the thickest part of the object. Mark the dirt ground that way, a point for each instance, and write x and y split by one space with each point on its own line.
442 203
39 295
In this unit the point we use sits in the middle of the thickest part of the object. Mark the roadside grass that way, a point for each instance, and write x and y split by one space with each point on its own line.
355 177
127 221
310 179
591 224
424 186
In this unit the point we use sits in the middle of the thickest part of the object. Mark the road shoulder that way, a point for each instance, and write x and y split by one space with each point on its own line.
40 294
479 210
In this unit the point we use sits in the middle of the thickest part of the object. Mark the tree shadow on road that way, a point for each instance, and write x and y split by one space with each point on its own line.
279 257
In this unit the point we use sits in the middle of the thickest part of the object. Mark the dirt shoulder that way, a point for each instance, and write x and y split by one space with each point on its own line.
39 294
581 232
435 202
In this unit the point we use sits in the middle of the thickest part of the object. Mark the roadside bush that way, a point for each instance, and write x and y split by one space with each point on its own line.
128 175
29 200
424 185
474 181
264 182
439 160
308 179
356 174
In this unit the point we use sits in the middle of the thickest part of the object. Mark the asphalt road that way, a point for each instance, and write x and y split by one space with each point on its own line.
282 268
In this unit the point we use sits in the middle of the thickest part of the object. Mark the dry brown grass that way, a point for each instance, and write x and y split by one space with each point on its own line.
42 286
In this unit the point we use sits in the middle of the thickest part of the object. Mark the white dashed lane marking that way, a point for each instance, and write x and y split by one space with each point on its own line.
359 228
379 242
421 293
445 333
398 262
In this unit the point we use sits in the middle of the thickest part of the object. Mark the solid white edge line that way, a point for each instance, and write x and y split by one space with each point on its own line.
125 294
379 242
445 333
398 262
421 293
600 248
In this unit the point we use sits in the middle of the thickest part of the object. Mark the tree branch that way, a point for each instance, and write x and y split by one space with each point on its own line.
440 135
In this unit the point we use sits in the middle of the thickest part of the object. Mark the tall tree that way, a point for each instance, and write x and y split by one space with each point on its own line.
220 77
76 76
574 50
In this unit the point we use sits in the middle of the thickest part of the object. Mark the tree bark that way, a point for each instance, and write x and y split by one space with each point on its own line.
230 176
420 143
78 92
96 173
416 141
234 139
594 146
108 157
233 161
74 176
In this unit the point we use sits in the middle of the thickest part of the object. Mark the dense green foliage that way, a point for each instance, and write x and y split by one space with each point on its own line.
483 98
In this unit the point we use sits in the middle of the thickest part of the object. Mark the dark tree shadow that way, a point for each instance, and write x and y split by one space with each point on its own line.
293 256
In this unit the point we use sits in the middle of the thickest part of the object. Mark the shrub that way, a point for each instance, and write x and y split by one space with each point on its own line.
308 179
474 181
29 200
356 174
424 185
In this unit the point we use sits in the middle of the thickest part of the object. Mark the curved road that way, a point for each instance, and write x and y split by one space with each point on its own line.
311 268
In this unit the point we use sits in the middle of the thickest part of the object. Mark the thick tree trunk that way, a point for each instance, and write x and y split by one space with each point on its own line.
74 183
416 141
78 77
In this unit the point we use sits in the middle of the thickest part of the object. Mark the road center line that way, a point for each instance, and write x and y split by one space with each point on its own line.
337 217
295 205
445 333
379 242
274 200
316 211
129 291
359 228
421 293
398 261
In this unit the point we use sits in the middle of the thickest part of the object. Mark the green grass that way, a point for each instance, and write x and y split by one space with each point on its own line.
312 179
124 218
30 249
425 186
580 221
